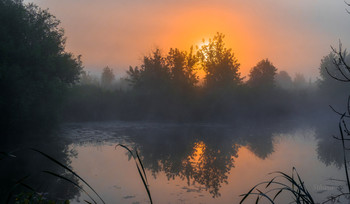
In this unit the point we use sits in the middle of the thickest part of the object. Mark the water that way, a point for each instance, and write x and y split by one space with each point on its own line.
190 163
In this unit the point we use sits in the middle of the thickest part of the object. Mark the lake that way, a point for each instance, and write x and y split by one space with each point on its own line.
184 163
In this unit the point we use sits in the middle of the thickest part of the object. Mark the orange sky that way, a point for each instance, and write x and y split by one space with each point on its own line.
294 35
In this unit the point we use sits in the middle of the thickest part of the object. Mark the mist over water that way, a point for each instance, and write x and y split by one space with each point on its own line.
184 162
182 126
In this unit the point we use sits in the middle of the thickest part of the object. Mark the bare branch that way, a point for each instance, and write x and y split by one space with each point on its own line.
336 78
347 116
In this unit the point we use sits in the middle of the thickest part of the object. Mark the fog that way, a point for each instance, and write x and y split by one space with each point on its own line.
294 35
204 105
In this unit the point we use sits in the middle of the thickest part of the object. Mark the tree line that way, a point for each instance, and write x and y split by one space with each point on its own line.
41 84
168 87
35 69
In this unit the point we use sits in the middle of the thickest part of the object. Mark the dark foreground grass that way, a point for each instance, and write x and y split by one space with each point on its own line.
281 182
34 197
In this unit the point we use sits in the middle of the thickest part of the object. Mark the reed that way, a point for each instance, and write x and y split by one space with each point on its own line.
280 183
34 197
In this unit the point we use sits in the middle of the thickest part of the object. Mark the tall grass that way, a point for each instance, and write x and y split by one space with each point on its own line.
140 169
280 183
35 197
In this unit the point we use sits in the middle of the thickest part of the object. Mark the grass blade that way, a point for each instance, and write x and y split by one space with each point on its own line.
141 173
14 187
143 169
70 181
68 169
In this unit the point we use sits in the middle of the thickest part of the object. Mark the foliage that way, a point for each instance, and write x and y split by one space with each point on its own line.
219 64
181 65
262 76
332 66
166 87
87 79
33 198
283 80
35 69
299 81
107 77
153 76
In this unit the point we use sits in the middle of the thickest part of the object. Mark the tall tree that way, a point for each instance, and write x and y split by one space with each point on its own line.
219 64
332 66
107 77
262 76
35 69
284 80
182 65
153 76
300 81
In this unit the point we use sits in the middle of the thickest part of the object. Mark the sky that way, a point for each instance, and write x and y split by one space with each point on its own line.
294 34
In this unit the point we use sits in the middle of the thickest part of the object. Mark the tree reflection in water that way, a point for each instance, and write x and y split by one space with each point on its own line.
202 155
30 163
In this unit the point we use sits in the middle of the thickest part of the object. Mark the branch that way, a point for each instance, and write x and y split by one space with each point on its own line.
341 114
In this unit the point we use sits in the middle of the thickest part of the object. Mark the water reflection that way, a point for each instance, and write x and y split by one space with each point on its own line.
30 165
198 154
202 156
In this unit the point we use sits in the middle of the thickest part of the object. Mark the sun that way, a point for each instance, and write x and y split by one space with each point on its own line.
201 44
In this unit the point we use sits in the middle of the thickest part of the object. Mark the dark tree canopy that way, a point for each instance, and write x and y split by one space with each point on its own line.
300 81
107 77
262 76
158 73
329 69
34 67
284 80
153 76
181 65
219 64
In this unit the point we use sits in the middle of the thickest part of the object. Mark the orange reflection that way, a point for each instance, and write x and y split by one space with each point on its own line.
196 157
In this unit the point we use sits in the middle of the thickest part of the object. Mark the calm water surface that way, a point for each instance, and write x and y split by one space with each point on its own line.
200 163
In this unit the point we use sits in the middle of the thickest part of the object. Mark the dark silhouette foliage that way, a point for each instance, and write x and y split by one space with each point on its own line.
329 69
166 87
283 80
220 65
153 76
35 69
107 77
182 68
262 76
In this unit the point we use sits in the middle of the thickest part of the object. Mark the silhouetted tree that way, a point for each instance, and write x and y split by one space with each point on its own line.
329 69
283 80
107 77
300 81
220 65
35 68
153 76
181 65
87 79
262 76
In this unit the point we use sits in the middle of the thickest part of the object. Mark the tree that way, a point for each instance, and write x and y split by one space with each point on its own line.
219 64
87 79
107 77
181 65
283 80
299 81
331 67
154 75
35 69
262 76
